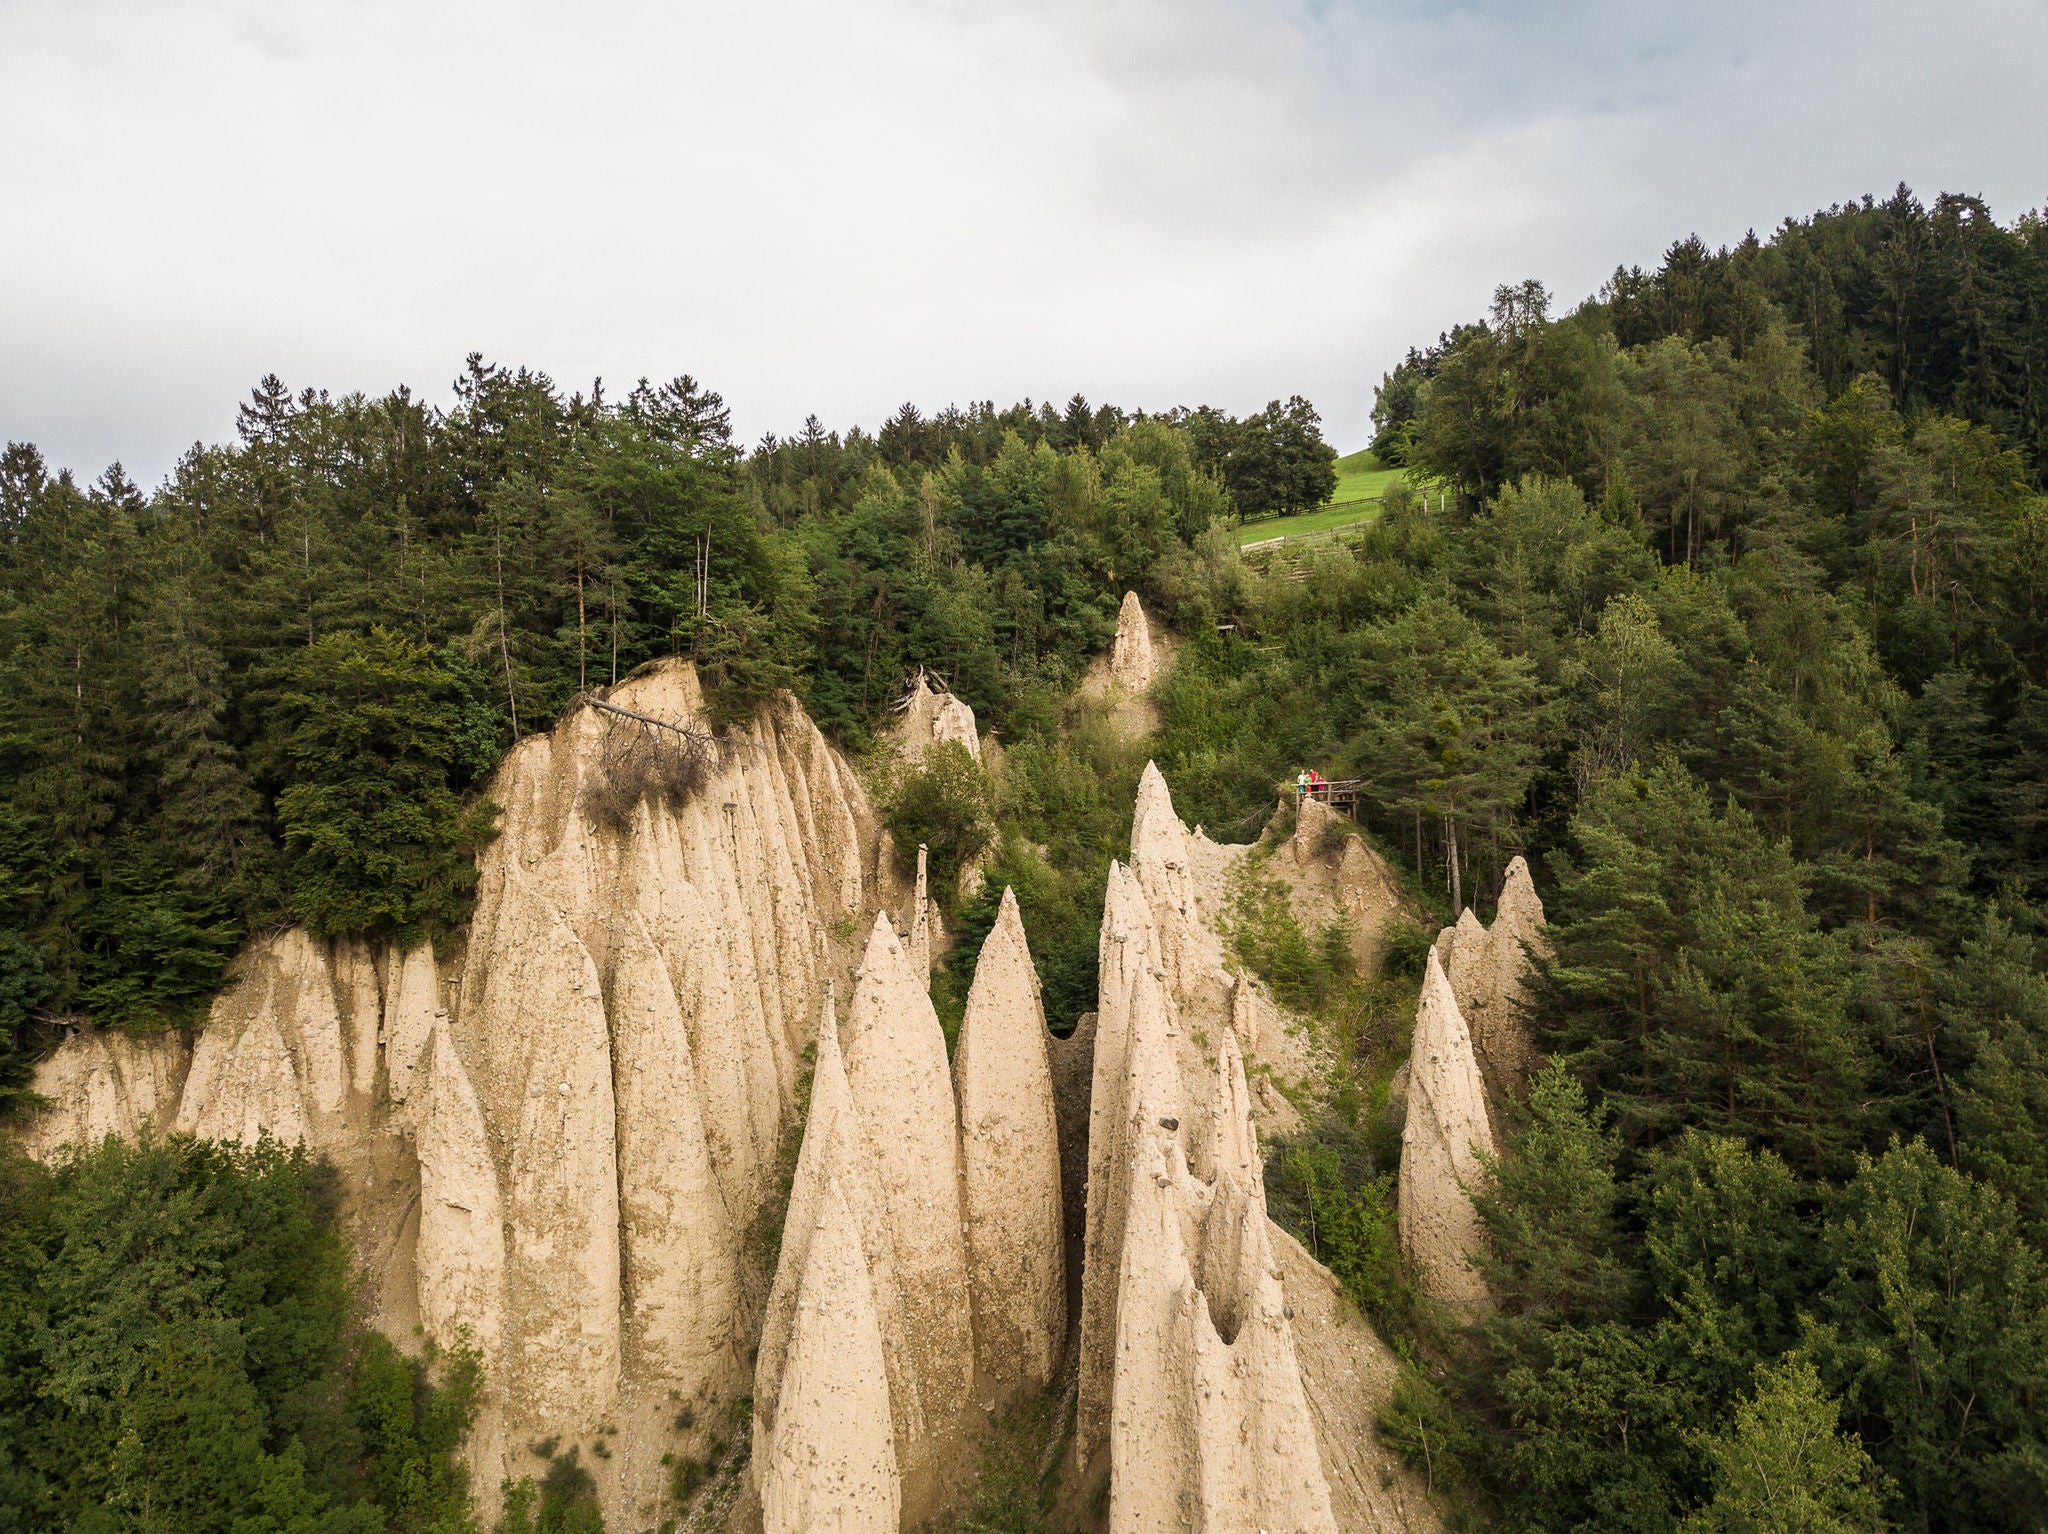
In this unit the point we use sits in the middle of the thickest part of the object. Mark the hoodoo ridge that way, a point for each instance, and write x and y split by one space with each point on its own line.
1446 1135
566 1142
1488 968
1189 1380
1131 658
557 1137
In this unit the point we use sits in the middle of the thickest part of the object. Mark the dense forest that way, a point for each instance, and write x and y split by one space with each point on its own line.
1723 598
270 690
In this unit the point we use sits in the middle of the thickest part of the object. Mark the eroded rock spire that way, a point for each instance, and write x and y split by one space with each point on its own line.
1163 862
831 1464
835 1155
1446 1131
921 918
902 1089
1488 968
931 717
1010 1164
1131 659
1211 1427
560 1139
1188 1374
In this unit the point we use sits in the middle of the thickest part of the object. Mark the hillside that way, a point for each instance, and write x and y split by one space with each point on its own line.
583 838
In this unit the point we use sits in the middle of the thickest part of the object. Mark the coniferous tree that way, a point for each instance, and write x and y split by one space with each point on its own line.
375 837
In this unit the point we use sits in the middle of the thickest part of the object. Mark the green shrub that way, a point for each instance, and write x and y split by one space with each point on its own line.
177 1341
1019 1477
1404 947
1420 1423
564 1501
1306 973
1325 1188
943 806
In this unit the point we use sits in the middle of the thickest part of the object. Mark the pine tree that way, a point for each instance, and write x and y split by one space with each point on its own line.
1933 1328
1690 982
1784 1466
1993 1004
375 838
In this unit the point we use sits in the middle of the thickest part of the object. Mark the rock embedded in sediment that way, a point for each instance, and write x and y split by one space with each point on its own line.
1244 1011
1226 1142
1446 1133
1010 1168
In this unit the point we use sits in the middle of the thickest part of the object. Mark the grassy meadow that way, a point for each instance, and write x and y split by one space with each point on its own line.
1361 480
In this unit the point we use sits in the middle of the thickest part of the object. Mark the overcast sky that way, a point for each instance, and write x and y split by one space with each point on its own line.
839 205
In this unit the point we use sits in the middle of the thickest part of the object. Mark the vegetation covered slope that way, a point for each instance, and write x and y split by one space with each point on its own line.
1733 621
1750 659
178 1350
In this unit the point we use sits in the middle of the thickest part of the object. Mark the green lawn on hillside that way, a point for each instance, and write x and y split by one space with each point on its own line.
1362 477
1361 480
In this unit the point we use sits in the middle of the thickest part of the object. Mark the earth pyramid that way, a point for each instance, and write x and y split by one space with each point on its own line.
1131 659
1010 1165
1446 1132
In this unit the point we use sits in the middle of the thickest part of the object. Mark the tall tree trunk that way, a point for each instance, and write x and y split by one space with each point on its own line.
504 644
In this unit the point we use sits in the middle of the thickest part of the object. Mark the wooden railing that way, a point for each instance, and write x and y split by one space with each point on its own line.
1339 795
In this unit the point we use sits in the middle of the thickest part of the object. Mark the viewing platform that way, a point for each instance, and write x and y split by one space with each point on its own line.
1340 795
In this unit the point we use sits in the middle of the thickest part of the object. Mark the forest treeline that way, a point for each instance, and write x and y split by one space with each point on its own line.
1724 599
270 690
